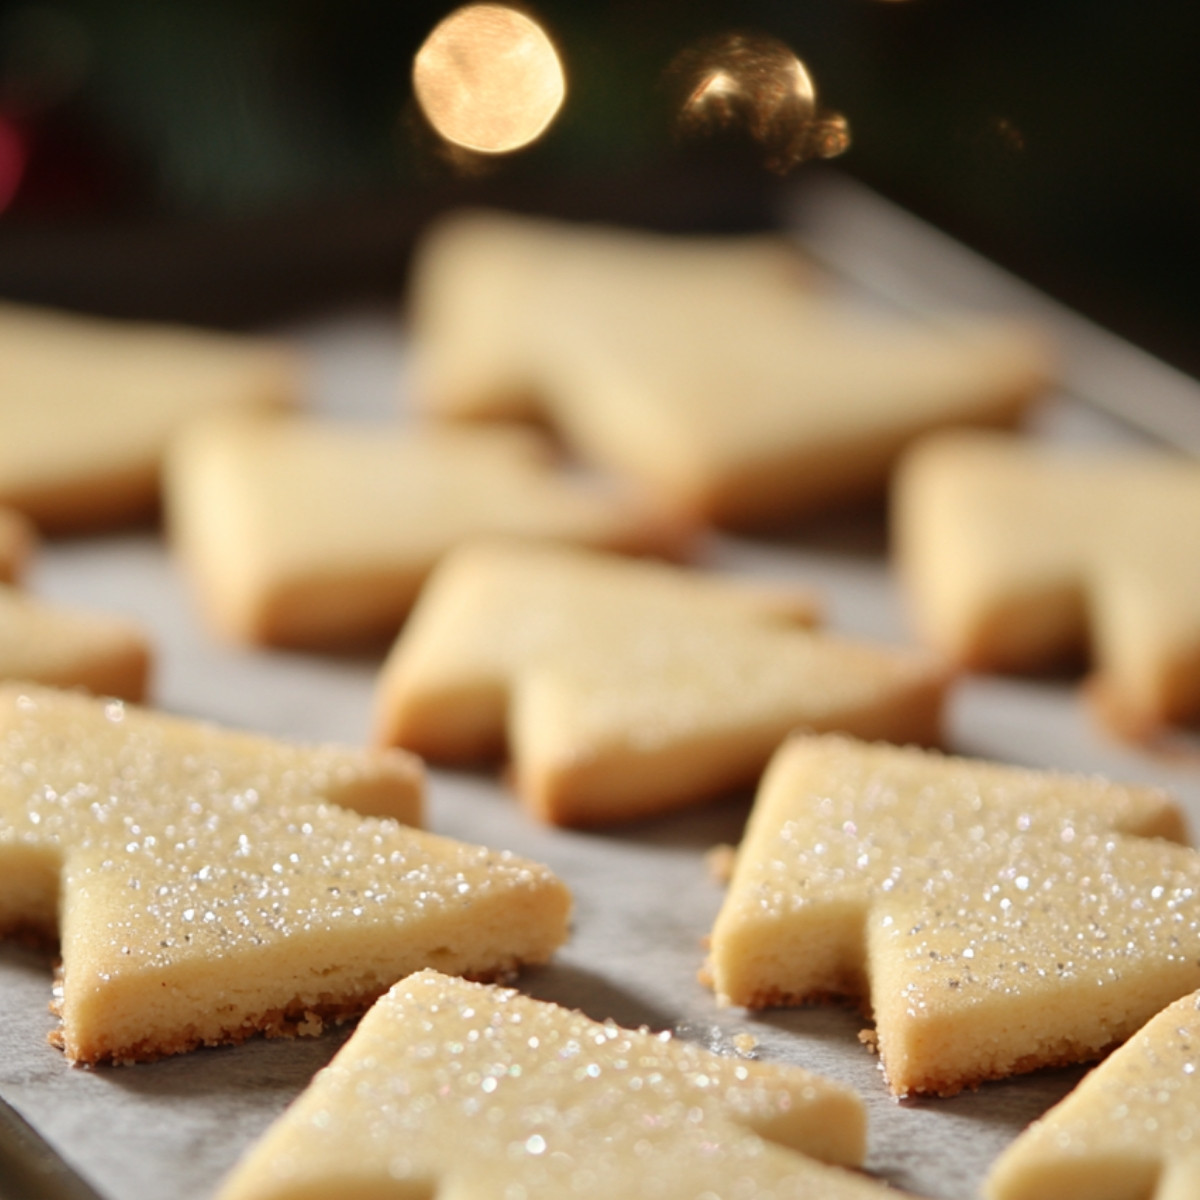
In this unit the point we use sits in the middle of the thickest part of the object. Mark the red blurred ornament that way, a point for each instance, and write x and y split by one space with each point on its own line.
14 156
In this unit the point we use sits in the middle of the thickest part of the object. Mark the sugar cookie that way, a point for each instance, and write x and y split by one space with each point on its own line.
306 533
302 532
1127 1132
480 278
65 647
453 1088
994 919
1015 555
87 406
705 374
623 688
207 885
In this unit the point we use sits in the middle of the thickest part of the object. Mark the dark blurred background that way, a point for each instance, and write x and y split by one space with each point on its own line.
240 161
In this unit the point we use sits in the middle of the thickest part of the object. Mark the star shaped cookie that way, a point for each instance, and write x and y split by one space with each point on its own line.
701 370
64 647
992 919
88 406
208 885
452 1088
303 532
1128 1131
622 689
1016 555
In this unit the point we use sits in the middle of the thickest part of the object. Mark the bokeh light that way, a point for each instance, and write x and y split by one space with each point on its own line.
489 79
757 85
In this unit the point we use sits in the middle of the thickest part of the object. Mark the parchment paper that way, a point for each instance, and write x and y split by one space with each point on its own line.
644 896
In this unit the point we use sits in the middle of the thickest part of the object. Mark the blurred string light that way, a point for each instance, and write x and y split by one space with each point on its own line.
488 79
754 84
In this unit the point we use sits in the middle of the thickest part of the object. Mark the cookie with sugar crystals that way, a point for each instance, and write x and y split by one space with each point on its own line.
993 919
623 689
538 1101
208 885
17 540
1127 1132
1015 556
706 372
303 532
72 648
87 406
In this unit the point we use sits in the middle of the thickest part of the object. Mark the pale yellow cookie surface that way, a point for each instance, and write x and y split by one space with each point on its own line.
17 540
208 884
87 407
1129 1131
455 1089
713 378
623 689
65 647
482 281
1015 556
304 532
994 919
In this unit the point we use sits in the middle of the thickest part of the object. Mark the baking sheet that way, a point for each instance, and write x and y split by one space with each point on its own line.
644 896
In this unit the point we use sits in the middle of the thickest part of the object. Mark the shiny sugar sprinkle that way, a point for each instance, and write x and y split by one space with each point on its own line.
484 1092
205 891
214 849
1133 1119
995 919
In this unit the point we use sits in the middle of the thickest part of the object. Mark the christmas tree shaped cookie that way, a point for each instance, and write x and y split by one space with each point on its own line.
208 885
1016 556
88 406
992 919
303 532
480 278
455 1089
701 370
61 647
1129 1131
626 688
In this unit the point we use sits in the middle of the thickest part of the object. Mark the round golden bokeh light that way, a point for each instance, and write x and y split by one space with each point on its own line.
489 79
755 84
